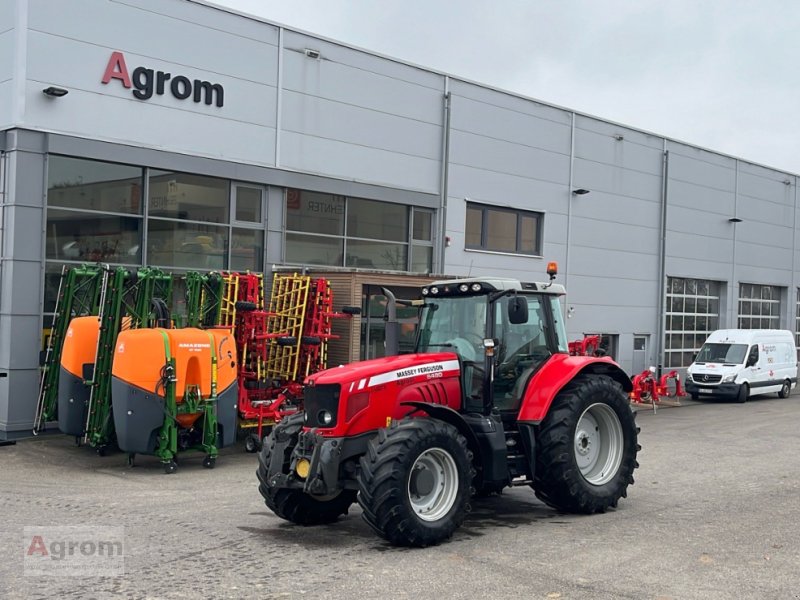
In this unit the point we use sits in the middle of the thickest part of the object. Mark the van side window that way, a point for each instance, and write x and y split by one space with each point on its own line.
752 358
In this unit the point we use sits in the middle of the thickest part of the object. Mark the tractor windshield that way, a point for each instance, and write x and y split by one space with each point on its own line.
456 323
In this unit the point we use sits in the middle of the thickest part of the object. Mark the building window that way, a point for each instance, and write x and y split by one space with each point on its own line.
247 235
325 229
692 313
96 212
93 211
759 306
187 218
503 230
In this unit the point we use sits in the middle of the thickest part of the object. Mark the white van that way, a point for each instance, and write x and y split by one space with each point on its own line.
739 363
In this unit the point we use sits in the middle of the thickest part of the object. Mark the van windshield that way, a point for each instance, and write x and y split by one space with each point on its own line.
722 353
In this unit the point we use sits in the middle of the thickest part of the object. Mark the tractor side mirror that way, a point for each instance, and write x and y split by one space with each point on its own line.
517 310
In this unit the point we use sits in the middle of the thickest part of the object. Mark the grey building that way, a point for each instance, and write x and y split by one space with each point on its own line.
177 134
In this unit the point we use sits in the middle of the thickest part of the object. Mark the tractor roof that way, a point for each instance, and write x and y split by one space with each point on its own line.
500 284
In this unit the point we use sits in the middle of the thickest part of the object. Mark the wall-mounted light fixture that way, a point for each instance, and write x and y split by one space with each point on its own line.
311 53
787 182
55 92
579 192
618 136
735 220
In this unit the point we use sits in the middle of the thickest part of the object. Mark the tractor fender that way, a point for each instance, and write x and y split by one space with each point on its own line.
448 415
556 373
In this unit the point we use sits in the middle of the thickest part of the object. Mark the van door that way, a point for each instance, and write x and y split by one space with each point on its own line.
753 371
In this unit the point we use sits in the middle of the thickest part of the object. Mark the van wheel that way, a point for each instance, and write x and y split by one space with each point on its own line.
785 389
744 393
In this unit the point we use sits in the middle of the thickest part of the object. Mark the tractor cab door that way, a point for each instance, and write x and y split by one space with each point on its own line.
522 348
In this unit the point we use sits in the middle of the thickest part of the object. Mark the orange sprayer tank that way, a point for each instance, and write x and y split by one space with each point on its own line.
77 354
138 390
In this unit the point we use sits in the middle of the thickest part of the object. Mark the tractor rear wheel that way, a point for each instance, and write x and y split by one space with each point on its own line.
414 482
295 505
587 447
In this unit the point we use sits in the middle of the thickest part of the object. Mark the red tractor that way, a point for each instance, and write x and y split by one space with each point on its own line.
491 398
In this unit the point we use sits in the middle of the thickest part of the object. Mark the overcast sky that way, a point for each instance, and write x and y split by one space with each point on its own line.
722 74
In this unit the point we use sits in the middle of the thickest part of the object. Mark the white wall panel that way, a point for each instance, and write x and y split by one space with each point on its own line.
358 163
7 39
356 86
511 125
687 245
203 39
701 198
304 114
702 168
490 154
626 154
356 116
518 191
6 109
492 97
707 226
154 126
596 176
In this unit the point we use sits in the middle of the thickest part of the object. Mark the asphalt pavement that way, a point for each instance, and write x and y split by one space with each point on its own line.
713 514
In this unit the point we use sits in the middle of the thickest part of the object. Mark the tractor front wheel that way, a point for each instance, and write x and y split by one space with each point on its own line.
295 505
414 482
587 447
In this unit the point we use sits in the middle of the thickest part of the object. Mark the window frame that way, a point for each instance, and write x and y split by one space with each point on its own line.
518 213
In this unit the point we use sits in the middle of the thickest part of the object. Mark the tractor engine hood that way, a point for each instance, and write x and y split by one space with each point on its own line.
368 373
368 395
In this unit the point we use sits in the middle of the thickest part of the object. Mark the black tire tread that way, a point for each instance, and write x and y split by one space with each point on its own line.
382 478
558 481
295 505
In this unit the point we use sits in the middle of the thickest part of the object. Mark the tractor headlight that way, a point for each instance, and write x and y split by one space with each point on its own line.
463 288
302 467
434 290
325 417
476 287
729 378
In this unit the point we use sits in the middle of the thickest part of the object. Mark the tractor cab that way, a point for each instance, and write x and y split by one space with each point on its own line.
503 331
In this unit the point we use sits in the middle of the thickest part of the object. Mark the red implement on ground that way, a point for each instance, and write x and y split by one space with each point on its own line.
588 346
648 390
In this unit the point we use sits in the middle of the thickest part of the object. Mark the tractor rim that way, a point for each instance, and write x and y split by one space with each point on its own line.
598 444
433 484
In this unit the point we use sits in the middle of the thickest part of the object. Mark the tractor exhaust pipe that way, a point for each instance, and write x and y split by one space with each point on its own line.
392 344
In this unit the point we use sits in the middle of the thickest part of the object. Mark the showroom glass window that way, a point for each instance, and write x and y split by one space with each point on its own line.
692 313
503 230
94 214
326 229
187 225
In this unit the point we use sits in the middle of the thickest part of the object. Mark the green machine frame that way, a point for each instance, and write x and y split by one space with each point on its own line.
79 291
142 296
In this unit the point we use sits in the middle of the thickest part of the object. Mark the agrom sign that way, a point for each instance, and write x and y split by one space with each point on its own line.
146 82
